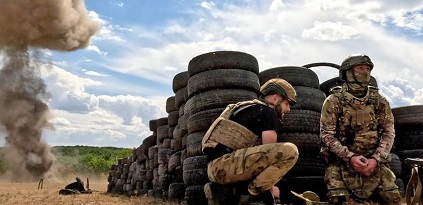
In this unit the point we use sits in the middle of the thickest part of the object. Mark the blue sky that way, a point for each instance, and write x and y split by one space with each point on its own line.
106 93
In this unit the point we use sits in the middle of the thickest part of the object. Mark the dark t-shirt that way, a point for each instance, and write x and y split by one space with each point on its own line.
257 118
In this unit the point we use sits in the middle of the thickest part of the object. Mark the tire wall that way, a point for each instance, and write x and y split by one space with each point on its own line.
169 164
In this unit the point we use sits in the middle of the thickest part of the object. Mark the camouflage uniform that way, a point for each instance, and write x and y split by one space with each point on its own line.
265 164
233 144
358 126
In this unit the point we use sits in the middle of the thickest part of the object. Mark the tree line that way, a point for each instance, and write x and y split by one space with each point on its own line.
79 159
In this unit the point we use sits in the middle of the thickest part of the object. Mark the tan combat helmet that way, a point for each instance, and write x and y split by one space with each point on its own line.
280 87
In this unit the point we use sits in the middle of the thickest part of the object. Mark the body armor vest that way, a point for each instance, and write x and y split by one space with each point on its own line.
228 132
357 123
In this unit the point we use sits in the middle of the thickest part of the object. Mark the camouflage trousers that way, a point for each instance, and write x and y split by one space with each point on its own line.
265 165
342 180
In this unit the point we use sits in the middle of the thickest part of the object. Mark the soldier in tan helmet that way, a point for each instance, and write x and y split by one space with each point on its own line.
242 148
357 133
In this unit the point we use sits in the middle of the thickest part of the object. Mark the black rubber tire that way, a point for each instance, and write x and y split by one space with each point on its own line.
170 104
195 170
401 186
408 115
180 80
301 121
295 75
152 151
176 144
309 98
216 99
148 142
180 97
308 143
152 124
222 60
163 155
202 120
408 137
172 118
194 195
161 121
223 78
318 64
182 121
396 165
195 162
178 133
162 133
174 161
176 191
193 143
307 165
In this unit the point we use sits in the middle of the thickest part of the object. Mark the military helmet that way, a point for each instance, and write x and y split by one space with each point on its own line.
280 87
352 60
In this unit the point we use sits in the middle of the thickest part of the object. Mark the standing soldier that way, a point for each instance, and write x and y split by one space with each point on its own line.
242 149
357 133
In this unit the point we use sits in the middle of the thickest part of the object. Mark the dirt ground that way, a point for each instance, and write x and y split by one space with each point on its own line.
28 193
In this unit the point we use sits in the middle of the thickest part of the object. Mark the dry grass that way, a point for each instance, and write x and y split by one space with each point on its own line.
27 193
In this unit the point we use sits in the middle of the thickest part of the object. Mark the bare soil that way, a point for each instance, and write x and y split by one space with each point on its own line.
28 193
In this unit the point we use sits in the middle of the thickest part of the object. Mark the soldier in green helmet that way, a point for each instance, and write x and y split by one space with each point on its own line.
357 134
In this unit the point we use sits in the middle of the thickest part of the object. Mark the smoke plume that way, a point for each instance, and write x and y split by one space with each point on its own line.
62 25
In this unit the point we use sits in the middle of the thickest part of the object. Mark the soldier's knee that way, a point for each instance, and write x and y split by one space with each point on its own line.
392 197
288 148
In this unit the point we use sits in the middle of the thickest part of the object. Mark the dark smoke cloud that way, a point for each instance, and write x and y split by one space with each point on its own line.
61 25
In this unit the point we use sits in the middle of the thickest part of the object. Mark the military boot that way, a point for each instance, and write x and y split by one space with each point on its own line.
218 194
265 198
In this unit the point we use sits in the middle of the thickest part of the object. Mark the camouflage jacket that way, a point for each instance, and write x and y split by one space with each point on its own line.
334 138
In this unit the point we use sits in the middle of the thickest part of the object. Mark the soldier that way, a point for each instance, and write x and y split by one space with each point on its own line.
242 149
357 134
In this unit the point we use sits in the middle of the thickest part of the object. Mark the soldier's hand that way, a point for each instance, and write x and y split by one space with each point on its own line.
358 164
371 166
275 192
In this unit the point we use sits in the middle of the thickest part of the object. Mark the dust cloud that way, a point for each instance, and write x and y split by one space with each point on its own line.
26 25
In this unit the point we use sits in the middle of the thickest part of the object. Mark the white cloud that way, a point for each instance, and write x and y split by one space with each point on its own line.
83 118
330 31
107 31
276 5
93 73
96 49
69 90
207 5
277 33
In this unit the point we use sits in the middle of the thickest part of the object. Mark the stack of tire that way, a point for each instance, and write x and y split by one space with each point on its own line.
176 190
395 164
216 79
117 182
161 133
301 126
408 136
144 172
164 141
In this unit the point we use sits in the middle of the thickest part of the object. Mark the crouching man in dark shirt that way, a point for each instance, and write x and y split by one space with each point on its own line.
242 148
